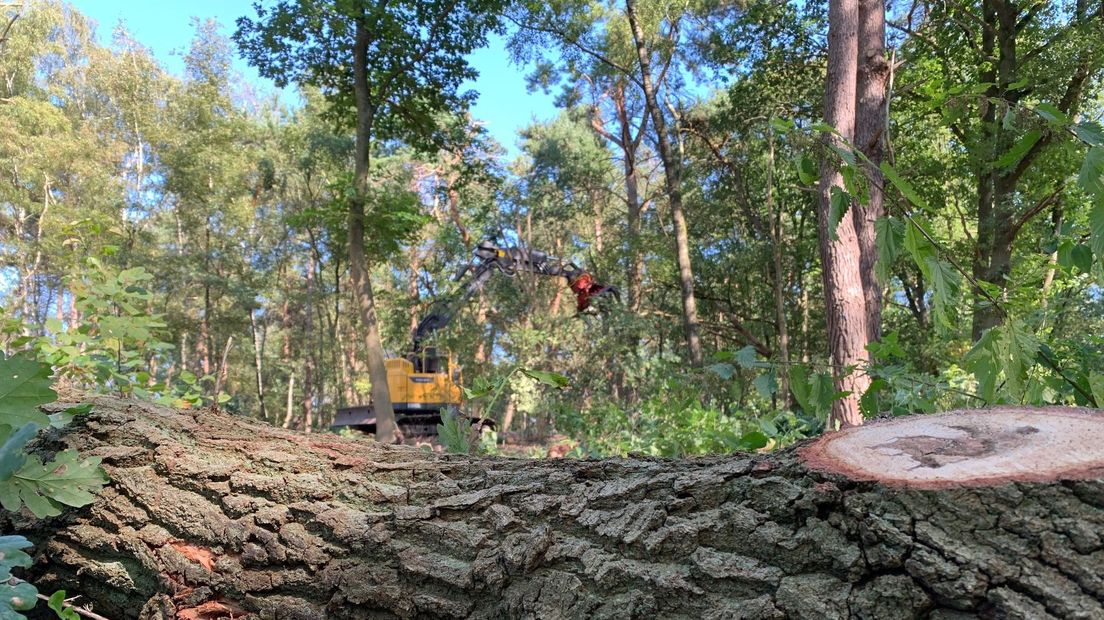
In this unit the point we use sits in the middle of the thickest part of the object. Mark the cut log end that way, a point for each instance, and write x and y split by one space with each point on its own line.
974 447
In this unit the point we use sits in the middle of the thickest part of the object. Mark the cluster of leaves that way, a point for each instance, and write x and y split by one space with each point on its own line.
110 349
462 435
459 434
44 487
688 412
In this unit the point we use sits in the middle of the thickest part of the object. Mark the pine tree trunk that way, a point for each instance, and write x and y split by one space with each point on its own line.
840 253
870 137
217 513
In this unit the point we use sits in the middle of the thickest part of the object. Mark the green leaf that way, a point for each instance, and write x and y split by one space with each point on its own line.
1065 254
917 244
553 379
889 347
1019 348
766 384
853 184
846 154
1096 386
748 357
1090 132
1008 121
1051 114
1091 177
24 386
889 235
806 169
903 186
12 456
451 433
782 125
752 441
62 419
12 555
984 361
769 428
722 370
1019 149
799 386
1096 230
15 598
945 283
1082 257
837 208
65 480
56 602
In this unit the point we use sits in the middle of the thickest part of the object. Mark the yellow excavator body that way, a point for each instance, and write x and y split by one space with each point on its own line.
417 390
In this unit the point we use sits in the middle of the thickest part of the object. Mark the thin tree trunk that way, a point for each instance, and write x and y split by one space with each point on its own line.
220 381
870 138
1048 280
412 286
204 341
629 145
508 414
257 366
358 261
839 249
775 216
184 351
672 175
289 411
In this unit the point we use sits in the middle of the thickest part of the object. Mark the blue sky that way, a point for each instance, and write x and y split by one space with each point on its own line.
166 29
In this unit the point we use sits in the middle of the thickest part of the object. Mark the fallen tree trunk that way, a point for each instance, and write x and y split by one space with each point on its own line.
209 515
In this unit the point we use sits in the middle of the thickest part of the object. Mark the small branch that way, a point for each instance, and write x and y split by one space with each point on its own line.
574 42
80 610
222 369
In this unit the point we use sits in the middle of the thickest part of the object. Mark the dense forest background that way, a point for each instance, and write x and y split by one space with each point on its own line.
180 239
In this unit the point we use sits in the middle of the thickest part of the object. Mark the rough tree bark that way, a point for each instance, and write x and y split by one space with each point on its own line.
209 514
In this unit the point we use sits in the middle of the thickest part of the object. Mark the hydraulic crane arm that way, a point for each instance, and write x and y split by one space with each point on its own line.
490 258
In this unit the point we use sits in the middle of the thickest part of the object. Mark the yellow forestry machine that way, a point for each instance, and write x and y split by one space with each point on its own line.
424 383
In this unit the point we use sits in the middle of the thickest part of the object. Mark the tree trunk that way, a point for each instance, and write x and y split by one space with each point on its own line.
358 261
840 255
217 514
258 357
629 145
870 137
775 217
672 177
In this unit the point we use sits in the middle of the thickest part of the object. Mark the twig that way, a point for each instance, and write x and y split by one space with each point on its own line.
80 610
222 369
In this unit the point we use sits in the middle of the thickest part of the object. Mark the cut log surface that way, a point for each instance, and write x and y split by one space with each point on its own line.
210 515
980 446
